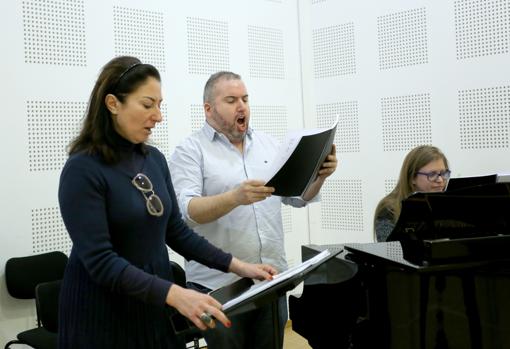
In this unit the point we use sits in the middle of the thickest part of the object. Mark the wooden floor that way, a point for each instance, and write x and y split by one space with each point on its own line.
292 340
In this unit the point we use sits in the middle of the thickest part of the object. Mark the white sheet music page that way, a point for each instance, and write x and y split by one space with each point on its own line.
264 285
503 178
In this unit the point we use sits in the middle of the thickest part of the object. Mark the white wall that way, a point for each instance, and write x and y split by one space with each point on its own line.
399 73
402 73
52 52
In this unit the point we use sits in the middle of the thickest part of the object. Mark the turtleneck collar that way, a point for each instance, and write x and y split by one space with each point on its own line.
126 146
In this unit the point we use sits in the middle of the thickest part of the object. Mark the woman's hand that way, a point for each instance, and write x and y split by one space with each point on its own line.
193 305
252 271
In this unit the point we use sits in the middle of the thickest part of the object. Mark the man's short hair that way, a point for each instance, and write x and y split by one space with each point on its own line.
213 80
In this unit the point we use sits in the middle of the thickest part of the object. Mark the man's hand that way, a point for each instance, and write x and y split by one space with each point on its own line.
329 164
252 271
251 191
327 169
207 209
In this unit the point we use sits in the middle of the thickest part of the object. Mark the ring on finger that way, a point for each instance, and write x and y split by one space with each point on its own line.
206 318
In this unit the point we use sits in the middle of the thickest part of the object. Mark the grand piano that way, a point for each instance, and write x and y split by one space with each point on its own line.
444 282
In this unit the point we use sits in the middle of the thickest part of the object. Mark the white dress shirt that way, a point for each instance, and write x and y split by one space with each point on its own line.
206 164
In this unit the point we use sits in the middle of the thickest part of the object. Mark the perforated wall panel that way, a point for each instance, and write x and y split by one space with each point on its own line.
347 132
197 117
51 126
334 50
271 119
406 121
342 205
265 49
484 117
287 219
208 46
482 27
48 231
289 237
160 136
389 185
54 32
402 38
140 33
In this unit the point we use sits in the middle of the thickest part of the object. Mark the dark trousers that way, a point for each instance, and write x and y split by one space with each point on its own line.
251 330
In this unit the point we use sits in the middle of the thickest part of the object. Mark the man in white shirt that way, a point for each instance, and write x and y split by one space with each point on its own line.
215 173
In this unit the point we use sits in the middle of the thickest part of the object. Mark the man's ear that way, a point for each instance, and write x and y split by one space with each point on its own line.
112 103
207 109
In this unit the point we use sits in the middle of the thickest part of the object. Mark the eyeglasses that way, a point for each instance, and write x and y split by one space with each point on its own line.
154 204
434 176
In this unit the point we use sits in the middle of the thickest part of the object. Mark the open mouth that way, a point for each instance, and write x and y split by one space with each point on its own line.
241 122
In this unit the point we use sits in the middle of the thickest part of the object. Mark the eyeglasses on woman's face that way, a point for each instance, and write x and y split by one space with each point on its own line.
433 176
153 202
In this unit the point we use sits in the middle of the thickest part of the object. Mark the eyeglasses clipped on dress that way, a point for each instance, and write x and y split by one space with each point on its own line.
153 202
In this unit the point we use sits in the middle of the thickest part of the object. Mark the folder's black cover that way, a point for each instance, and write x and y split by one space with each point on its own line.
302 167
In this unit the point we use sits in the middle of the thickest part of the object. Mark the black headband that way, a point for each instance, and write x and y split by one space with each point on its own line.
131 67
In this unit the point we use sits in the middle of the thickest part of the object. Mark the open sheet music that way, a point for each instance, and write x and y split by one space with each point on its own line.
278 279
299 159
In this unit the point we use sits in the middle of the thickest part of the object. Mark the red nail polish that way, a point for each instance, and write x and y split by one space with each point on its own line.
229 324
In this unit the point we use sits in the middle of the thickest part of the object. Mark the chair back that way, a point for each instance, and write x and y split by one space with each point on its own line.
22 274
179 274
46 297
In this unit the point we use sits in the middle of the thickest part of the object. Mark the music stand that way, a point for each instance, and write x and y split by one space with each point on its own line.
240 297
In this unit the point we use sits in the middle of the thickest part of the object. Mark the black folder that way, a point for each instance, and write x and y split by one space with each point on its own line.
301 168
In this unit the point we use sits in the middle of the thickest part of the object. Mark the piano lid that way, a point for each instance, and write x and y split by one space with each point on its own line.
468 214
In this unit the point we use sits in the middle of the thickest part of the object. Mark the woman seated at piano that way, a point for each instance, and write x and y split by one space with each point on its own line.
425 169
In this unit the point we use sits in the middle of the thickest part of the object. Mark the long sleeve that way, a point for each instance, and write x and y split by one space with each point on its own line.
83 203
384 225
186 242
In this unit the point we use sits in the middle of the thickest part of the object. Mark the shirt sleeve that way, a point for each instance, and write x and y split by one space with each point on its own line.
187 176
83 206
384 225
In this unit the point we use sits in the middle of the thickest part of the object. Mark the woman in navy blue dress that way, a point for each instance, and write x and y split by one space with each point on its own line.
119 207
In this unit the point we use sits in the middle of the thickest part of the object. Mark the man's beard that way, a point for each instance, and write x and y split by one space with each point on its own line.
230 131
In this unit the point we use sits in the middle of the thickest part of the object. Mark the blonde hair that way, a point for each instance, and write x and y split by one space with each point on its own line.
416 159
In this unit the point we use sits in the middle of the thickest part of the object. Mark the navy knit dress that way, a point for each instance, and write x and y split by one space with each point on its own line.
115 285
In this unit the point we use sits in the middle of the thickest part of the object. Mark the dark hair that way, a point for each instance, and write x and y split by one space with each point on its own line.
417 158
213 79
120 77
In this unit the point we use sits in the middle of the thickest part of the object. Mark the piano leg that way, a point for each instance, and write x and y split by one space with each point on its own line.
468 286
326 315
